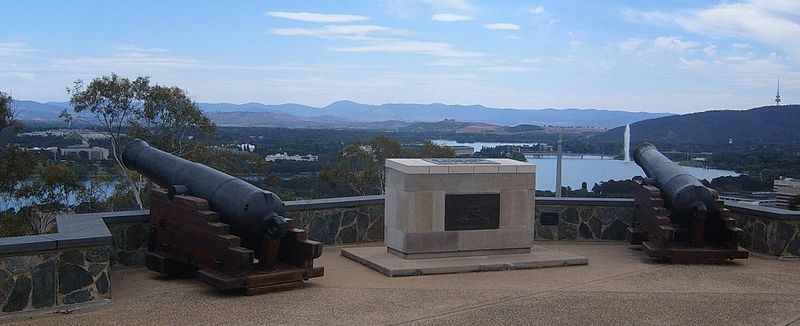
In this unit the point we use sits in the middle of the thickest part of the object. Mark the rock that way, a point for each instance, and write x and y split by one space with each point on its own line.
375 232
18 299
6 285
794 247
118 236
44 285
20 264
759 233
96 269
606 214
72 277
596 225
78 297
586 214
347 234
780 235
135 237
544 232
615 231
584 231
73 257
98 255
323 228
362 222
570 215
132 258
102 283
567 232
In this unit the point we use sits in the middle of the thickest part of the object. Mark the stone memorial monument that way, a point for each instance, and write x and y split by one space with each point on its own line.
458 215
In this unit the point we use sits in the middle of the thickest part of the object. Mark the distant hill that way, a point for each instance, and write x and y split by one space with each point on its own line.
754 127
348 114
358 112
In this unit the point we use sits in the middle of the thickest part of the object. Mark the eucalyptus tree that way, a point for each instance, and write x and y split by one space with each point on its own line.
164 116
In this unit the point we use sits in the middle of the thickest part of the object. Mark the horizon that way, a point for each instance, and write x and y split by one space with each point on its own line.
673 57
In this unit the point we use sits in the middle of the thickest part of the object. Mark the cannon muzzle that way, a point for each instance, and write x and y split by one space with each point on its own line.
684 195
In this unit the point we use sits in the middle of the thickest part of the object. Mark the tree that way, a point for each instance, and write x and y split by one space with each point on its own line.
170 120
164 116
361 164
49 194
15 163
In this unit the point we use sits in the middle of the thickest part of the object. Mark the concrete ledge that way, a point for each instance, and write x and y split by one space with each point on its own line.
82 230
310 204
761 211
578 201
390 265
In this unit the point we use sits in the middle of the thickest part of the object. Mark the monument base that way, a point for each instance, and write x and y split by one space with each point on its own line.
379 259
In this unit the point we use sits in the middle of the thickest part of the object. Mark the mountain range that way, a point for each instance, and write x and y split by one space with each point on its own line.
776 125
348 114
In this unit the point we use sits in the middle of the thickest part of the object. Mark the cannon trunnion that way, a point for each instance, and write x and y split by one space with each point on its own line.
227 232
677 217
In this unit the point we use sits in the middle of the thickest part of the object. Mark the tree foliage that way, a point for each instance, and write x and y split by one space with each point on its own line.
15 163
164 116
361 164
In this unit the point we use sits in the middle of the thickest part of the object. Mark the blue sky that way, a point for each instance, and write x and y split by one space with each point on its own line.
673 56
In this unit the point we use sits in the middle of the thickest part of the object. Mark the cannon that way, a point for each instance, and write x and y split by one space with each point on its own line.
678 218
225 231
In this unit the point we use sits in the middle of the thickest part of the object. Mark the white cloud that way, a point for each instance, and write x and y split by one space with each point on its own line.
672 43
439 49
510 69
445 17
317 18
575 44
15 49
740 45
334 31
501 26
710 50
460 5
630 44
538 10
773 22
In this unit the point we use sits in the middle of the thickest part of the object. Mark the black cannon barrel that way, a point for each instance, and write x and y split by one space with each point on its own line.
683 194
250 211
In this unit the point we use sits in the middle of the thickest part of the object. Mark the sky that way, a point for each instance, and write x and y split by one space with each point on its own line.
656 56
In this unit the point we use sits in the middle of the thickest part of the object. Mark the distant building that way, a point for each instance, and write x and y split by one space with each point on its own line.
287 157
462 150
85 152
788 193
759 198
247 147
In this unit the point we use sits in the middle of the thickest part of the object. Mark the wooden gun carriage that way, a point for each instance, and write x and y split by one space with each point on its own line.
678 218
221 229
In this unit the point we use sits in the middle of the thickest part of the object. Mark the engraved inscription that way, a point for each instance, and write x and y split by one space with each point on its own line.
471 212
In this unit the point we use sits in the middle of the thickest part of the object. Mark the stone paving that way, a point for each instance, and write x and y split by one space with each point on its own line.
618 286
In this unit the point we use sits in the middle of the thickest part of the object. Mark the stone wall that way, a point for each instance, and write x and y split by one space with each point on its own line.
583 219
50 279
129 232
768 230
339 220
59 269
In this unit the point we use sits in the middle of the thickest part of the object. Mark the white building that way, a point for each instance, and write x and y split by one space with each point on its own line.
286 157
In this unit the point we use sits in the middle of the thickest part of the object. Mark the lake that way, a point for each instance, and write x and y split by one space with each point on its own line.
591 169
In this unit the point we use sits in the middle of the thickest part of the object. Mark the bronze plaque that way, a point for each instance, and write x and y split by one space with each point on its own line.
471 212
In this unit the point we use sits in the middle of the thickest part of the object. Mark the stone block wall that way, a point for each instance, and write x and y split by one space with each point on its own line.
583 219
341 225
767 230
129 241
56 278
